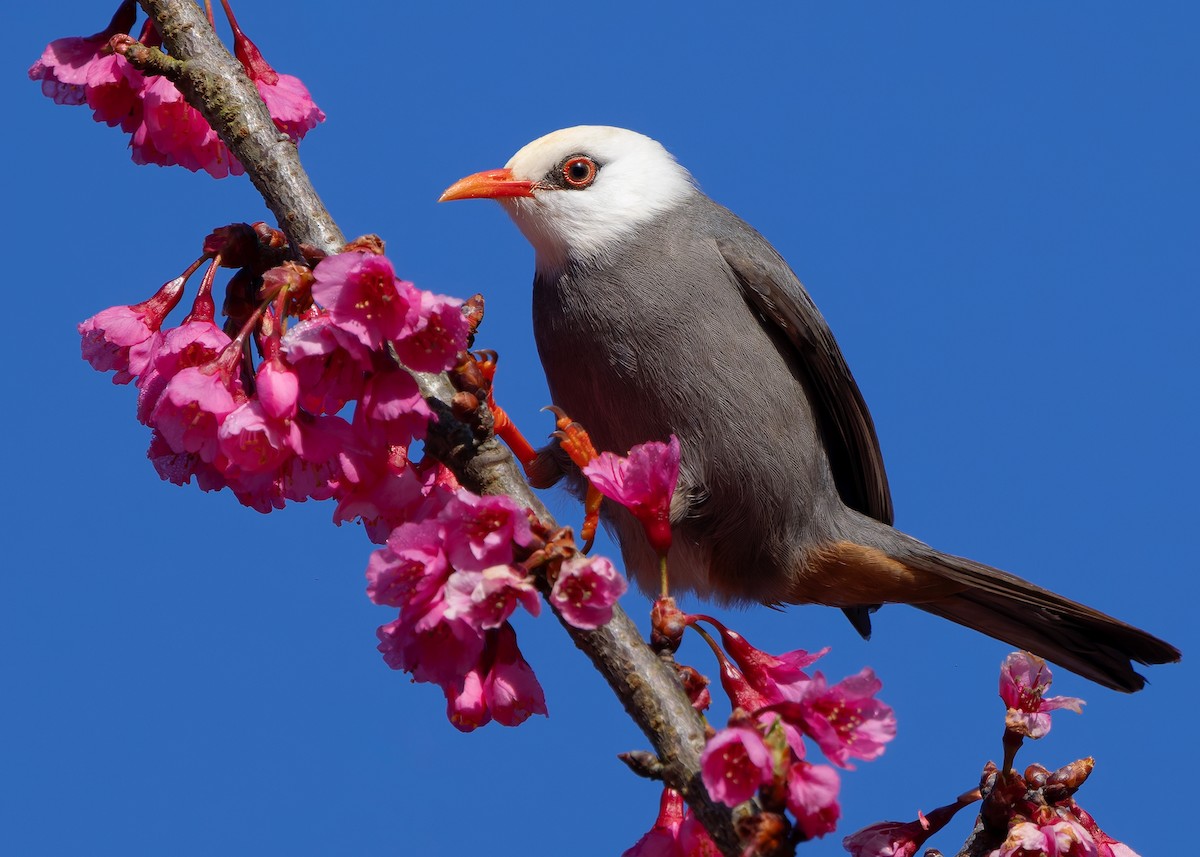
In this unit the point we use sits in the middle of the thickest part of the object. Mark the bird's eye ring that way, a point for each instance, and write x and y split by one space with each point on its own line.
579 172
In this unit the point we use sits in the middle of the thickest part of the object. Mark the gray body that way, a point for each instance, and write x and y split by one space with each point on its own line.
696 327
629 352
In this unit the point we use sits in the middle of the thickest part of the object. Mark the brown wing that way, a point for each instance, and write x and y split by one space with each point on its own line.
777 295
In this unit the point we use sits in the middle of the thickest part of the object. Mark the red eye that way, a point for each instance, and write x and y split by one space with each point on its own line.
579 172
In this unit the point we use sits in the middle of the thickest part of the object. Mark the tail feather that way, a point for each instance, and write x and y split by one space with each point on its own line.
1002 605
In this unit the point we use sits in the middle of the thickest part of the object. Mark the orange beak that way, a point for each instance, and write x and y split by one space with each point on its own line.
490 184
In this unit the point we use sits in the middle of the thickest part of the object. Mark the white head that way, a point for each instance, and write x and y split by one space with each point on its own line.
578 192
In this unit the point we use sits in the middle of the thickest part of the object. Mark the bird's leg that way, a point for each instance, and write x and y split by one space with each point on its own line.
507 431
575 442
502 426
591 517
573 438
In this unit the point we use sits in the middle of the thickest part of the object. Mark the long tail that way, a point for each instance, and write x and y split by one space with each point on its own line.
1002 605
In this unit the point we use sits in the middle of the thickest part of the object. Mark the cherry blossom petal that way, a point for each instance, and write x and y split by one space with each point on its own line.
586 590
735 762
644 482
812 792
511 689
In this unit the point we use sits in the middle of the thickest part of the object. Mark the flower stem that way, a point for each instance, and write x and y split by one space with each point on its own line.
708 638
1012 743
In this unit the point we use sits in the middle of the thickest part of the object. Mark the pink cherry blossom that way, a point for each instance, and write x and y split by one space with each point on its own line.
767 682
164 129
644 482
466 708
259 491
179 134
448 562
423 643
452 628
122 338
364 297
1061 838
378 489
775 678
142 150
192 407
512 691
64 64
586 590
193 343
694 838
662 840
1115 849
178 468
391 409
438 334
255 441
735 762
287 99
114 92
453 620
108 337
330 364
1024 678
291 106
676 833
410 568
742 694
845 719
812 792
480 531
485 599
887 839
277 388
315 472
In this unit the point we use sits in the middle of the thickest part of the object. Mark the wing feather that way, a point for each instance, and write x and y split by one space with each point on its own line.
772 289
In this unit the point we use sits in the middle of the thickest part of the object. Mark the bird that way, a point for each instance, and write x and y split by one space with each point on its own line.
658 312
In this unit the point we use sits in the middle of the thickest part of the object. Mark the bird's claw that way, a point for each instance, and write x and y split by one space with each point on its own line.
475 375
487 359
575 442
572 437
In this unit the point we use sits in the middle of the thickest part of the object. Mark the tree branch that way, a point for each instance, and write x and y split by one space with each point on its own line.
214 83
980 842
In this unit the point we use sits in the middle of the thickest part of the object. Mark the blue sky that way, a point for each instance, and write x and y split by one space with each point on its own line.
994 208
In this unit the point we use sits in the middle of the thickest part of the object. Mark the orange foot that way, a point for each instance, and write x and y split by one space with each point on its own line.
502 426
591 516
572 437
511 435
575 442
